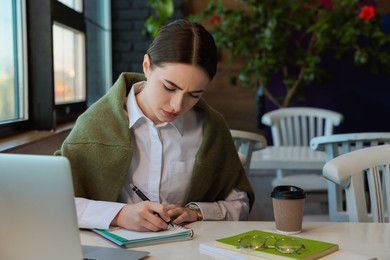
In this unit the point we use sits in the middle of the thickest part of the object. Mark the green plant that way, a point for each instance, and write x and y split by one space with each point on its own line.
288 39
163 10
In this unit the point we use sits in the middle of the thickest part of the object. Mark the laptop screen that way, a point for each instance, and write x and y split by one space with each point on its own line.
37 211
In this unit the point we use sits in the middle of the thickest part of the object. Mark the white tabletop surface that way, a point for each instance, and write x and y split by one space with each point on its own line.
366 239
288 157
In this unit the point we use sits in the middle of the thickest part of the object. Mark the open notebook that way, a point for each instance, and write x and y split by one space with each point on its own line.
128 238
37 212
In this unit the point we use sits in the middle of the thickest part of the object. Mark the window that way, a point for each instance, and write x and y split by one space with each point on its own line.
69 59
62 37
69 65
13 89
98 29
68 32
74 4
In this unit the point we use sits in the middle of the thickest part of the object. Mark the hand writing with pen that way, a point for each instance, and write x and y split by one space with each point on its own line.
152 216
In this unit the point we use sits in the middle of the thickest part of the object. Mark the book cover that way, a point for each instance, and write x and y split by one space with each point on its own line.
314 249
209 248
130 238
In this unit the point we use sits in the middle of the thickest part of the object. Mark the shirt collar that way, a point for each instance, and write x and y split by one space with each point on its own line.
135 113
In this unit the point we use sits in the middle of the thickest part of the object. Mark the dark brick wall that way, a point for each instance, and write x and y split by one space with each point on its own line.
129 44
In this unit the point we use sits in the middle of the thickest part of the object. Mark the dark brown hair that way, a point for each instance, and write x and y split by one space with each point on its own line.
184 42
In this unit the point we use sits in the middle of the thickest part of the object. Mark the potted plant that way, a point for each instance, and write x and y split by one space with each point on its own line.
288 40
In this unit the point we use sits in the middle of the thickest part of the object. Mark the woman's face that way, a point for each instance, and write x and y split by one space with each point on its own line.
171 90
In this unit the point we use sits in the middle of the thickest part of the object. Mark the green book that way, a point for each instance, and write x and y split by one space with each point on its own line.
313 248
130 238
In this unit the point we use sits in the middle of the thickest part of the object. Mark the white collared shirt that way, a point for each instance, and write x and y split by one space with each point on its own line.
161 169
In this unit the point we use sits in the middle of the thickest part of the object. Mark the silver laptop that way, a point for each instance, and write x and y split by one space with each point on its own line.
37 212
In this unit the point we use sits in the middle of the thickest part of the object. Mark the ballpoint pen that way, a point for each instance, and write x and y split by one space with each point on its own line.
144 198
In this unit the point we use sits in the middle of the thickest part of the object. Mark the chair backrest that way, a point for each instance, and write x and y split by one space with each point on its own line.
347 170
338 144
247 142
296 126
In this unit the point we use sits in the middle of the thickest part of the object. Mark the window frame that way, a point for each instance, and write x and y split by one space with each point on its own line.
43 114
17 125
71 18
41 15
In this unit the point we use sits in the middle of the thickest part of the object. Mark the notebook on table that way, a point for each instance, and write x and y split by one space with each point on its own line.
37 212
310 249
129 238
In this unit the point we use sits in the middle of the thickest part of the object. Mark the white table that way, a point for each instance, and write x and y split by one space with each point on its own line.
370 239
288 158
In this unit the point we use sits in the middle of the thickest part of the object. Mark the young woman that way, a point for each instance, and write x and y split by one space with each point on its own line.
154 131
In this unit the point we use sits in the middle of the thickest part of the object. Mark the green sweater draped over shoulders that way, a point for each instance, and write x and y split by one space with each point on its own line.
100 149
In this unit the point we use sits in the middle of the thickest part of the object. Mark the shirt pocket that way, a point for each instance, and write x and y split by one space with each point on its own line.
178 180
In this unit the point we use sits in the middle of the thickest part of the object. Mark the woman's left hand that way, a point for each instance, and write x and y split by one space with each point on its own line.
182 214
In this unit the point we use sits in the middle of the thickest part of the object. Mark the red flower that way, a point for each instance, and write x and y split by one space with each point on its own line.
367 12
326 3
215 19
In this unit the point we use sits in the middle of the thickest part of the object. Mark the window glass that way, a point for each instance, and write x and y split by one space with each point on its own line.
69 65
13 101
74 4
99 60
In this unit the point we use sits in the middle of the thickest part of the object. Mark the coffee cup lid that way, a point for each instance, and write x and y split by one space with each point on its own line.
288 192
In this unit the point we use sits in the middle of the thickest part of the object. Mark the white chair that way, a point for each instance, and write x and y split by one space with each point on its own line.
296 126
247 142
335 145
348 169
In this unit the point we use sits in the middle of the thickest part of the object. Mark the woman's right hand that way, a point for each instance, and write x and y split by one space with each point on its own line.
143 216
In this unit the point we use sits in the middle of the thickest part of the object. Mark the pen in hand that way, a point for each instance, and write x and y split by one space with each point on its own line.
144 198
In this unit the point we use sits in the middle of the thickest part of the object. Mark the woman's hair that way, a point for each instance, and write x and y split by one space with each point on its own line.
184 42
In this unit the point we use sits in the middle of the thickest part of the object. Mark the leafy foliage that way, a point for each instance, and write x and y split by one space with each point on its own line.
163 10
289 38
